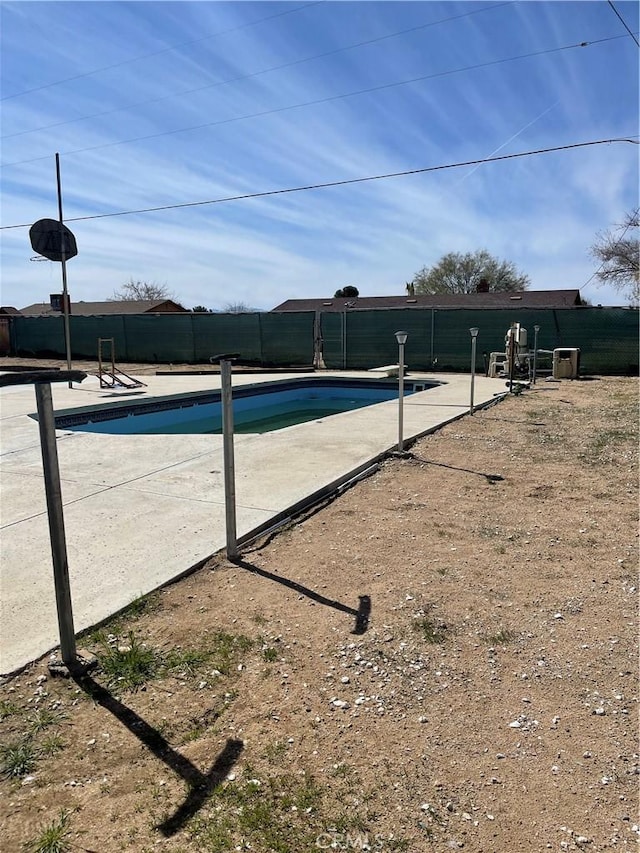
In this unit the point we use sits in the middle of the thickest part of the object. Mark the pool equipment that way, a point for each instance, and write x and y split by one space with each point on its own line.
566 363
519 362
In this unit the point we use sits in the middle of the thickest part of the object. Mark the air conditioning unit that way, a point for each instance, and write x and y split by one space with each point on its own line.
566 363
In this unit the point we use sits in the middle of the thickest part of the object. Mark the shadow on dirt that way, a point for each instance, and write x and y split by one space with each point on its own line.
362 613
201 785
491 478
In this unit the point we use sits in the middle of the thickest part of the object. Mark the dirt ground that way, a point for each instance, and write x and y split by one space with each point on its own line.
444 657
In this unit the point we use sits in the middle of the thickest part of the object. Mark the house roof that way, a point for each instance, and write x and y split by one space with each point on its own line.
8 309
522 299
86 309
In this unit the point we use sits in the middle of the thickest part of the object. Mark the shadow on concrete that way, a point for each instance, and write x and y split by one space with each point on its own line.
362 613
201 785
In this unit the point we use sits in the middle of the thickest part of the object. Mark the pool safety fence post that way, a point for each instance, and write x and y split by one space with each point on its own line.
474 337
401 338
46 424
229 465
536 329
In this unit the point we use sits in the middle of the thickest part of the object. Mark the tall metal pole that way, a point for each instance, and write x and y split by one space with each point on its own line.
65 294
229 468
474 336
53 492
536 329
401 338
401 399
512 355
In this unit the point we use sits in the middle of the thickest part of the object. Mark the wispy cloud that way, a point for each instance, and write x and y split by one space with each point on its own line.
543 212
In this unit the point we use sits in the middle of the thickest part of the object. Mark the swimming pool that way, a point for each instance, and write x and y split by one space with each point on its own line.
256 408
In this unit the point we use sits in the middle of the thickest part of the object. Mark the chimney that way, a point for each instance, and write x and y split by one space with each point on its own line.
483 286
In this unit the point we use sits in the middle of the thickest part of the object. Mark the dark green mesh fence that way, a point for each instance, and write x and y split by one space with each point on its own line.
358 340
440 340
268 339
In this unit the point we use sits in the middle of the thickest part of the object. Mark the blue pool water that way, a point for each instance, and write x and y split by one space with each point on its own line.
256 408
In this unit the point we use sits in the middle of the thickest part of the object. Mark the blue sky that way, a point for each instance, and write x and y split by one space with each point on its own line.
89 79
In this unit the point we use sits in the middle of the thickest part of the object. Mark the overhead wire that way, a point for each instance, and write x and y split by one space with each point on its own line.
624 23
263 71
160 52
345 182
325 100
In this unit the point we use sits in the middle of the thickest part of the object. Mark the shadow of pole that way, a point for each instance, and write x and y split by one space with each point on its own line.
491 478
362 613
201 785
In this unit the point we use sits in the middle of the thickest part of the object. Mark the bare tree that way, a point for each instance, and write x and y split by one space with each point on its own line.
138 290
619 254
238 308
468 273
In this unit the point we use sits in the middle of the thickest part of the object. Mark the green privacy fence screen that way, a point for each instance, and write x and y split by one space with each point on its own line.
437 339
440 339
268 339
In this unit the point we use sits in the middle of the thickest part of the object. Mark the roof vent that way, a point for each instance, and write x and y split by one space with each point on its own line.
515 298
327 303
412 300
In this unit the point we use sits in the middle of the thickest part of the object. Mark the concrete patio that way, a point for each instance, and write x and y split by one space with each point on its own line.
140 510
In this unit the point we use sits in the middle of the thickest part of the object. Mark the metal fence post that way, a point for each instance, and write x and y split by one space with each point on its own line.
46 424
229 465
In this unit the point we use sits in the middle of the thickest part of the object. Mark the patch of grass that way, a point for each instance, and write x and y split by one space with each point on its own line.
225 648
432 630
18 758
140 606
129 665
342 770
7 709
54 838
442 571
51 744
259 619
43 718
187 660
270 654
503 636
604 443
274 751
278 814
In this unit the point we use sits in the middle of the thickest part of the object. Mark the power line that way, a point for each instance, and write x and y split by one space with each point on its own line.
253 74
624 23
325 100
246 196
160 52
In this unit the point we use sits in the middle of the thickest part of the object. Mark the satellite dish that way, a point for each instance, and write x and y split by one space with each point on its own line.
52 240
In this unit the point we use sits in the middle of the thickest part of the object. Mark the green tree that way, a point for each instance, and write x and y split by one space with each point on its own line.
346 292
200 309
458 273
136 290
619 254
